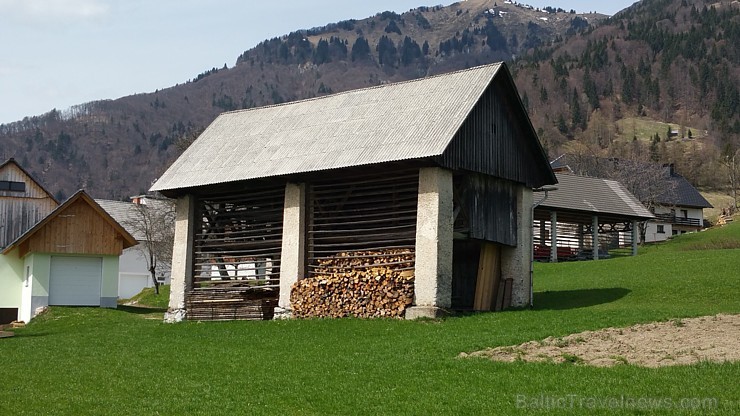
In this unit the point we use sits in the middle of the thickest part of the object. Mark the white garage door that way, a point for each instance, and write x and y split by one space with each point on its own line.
75 281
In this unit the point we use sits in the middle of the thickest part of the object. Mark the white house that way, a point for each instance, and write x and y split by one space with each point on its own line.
680 210
133 271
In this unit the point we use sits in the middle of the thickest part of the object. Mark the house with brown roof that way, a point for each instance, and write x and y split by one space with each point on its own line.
51 253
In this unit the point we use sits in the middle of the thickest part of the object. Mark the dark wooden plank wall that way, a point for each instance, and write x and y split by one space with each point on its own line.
497 139
374 212
238 238
489 207
19 211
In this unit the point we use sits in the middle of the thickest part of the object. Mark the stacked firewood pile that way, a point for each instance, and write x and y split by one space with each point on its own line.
367 284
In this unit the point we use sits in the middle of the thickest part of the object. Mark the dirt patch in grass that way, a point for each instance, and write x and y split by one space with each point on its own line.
676 342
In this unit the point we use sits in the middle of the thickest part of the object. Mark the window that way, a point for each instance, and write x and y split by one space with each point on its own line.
685 213
12 186
661 229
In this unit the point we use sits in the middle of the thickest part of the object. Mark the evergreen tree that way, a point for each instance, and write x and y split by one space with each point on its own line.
410 51
360 49
387 52
578 120
321 54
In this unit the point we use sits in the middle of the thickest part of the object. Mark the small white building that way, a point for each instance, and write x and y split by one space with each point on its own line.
680 210
133 271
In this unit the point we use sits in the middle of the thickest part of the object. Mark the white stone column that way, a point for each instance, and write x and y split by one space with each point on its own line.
554 237
293 253
181 274
635 237
516 261
595 231
434 224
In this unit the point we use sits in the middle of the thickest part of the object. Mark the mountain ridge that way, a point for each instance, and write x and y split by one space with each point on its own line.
116 148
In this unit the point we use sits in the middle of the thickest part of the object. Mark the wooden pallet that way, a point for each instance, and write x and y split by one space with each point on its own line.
230 304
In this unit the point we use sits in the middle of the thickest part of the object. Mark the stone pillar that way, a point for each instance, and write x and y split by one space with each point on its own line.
181 274
433 275
635 237
554 237
293 253
543 232
595 232
516 262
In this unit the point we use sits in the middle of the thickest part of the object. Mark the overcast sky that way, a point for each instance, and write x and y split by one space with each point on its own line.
58 53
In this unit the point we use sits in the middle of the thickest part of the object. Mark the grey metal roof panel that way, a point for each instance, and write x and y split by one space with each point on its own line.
124 213
408 120
594 195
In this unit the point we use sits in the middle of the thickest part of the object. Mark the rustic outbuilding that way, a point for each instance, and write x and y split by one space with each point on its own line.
425 182
54 254
584 218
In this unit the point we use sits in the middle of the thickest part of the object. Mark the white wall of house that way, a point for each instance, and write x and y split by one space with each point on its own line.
660 231
133 275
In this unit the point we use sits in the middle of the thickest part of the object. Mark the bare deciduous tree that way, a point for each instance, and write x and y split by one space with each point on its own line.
154 224
649 182
730 159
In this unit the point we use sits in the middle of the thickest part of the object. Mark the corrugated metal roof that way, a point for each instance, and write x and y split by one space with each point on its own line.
127 214
594 195
407 120
678 190
124 213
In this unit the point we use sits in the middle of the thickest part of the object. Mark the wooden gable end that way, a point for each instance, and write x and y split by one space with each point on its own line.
19 211
497 139
76 229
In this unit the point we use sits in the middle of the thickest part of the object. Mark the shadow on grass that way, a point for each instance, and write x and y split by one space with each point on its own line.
140 310
582 298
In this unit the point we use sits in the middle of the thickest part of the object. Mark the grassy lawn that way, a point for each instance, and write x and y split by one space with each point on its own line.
125 361
644 128
719 200
147 297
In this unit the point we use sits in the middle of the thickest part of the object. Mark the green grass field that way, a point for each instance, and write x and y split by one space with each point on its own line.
644 128
125 361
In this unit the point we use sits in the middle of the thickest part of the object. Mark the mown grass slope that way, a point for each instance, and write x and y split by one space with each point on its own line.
125 361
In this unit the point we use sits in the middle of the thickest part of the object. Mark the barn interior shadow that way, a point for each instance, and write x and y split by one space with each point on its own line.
581 298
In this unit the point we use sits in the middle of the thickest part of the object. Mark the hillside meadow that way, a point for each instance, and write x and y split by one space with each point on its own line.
126 361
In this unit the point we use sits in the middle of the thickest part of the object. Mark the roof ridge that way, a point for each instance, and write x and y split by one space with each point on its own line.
352 91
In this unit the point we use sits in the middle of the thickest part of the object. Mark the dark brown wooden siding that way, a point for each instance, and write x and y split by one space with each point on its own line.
238 239
488 208
496 139
367 216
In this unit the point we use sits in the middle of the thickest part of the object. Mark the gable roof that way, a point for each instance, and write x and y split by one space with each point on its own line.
128 239
679 191
682 193
126 213
395 122
595 196
123 212
12 162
